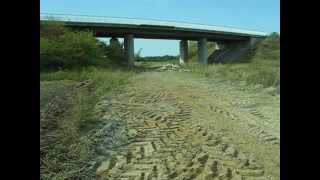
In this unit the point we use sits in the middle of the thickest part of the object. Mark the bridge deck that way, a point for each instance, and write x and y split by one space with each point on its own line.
141 28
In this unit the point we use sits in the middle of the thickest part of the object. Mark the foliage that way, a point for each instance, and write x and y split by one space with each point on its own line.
61 48
52 29
114 52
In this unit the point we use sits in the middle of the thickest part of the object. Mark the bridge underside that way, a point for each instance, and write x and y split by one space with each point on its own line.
161 32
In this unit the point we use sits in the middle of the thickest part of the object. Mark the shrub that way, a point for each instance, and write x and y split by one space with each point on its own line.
52 29
115 54
61 48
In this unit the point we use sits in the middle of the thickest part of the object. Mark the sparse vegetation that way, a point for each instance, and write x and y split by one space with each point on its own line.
66 113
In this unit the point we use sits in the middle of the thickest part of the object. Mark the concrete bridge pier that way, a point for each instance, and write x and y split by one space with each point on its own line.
254 41
183 51
202 51
129 49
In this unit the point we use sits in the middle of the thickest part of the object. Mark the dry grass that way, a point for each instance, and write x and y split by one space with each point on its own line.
67 102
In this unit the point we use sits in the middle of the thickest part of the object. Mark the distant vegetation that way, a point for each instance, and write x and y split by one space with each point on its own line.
158 58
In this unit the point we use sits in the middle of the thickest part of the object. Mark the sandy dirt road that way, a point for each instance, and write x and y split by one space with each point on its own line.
185 127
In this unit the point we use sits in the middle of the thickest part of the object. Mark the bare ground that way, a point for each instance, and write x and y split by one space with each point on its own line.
184 127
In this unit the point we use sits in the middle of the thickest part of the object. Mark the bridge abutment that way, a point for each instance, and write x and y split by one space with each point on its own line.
129 49
233 51
183 51
202 51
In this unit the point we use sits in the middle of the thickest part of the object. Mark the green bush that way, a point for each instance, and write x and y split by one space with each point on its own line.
115 54
52 29
61 48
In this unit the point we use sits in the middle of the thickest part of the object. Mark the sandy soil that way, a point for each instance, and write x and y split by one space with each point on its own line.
185 127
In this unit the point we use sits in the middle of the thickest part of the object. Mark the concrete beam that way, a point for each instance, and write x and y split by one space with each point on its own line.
183 51
129 49
202 51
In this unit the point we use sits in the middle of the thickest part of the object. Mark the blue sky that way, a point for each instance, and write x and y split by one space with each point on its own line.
261 15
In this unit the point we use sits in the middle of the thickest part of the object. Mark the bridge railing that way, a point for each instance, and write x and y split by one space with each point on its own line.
135 21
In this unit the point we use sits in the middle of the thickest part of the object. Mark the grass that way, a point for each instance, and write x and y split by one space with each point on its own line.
67 149
260 67
263 73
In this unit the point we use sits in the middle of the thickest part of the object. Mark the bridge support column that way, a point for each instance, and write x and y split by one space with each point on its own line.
129 49
254 41
202 51
183 51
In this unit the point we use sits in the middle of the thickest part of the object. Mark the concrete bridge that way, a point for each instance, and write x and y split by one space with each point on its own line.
130 28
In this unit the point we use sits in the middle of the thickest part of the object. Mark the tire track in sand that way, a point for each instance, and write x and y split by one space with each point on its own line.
168 145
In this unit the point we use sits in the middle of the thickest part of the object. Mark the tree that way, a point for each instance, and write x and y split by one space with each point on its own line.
62 48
